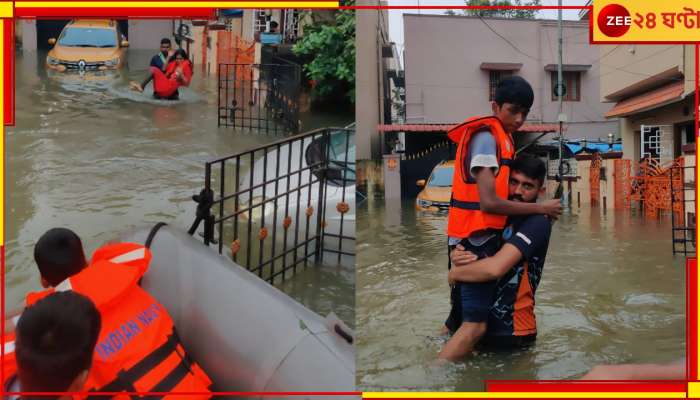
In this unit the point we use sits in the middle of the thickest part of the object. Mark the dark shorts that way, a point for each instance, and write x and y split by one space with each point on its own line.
505 342
471 302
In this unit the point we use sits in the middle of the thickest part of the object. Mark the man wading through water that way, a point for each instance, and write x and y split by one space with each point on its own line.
479 205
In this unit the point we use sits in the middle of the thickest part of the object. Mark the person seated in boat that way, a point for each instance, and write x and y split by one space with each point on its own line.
177 73
138 349
53 347
517 266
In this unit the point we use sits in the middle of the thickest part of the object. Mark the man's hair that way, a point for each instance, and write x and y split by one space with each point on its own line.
530 166
55 341
165 41
514 90
59 255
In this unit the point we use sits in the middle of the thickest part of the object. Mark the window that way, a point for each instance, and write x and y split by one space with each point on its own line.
651 142
572 82
495 77
291 24
259 21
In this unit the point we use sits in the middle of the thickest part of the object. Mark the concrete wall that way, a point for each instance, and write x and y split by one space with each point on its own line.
626 64
145 34
28 27
444 82
368 82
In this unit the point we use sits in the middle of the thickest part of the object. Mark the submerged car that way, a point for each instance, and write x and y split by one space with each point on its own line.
436 192
88 45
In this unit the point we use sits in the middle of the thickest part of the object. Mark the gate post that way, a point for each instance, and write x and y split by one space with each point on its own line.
322 180
392 176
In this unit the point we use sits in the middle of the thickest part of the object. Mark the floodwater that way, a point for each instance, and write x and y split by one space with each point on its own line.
611 292
89 154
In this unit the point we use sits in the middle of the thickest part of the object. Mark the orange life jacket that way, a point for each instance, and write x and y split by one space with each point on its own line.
465 215
138 349
9 364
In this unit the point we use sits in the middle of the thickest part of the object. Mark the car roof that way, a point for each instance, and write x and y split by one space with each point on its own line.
93 23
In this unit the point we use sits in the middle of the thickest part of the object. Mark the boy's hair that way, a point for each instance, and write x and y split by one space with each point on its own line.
55 341
59 255
165 41
530 166
514 90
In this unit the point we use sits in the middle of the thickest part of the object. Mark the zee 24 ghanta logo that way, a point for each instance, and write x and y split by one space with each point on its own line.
614 20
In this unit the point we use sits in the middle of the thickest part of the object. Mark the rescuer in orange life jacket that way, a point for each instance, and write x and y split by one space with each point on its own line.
138 349
53 348
479 205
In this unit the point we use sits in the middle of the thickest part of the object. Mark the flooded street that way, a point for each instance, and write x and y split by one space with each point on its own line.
611 292
93 156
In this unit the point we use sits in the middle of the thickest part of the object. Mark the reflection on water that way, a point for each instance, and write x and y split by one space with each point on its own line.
89 154
611 292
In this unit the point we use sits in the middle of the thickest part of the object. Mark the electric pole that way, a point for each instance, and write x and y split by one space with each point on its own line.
560 94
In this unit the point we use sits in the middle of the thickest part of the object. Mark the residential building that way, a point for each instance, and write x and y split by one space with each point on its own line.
454 63
652 89
378 79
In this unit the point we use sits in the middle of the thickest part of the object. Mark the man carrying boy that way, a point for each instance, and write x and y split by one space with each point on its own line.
479 205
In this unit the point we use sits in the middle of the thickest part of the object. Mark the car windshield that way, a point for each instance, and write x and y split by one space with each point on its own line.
88 37
340 141
442 177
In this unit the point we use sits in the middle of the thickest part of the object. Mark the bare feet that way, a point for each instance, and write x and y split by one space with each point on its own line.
135 86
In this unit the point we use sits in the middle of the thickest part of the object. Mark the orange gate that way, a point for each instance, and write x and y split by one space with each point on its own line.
622 183
594 179
653 186
231 49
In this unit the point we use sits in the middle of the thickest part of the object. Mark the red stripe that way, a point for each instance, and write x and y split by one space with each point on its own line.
2 300
9 74
204 12
692 310
256 394
581 386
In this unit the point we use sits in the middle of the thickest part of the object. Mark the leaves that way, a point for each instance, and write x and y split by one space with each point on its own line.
330 49
502 13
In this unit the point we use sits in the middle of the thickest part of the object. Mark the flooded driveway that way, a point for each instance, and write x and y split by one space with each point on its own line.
611 292
89 154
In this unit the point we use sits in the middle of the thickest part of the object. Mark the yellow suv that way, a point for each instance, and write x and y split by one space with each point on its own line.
88 45
436 192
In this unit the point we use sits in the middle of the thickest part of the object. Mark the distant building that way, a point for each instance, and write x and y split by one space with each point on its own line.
379 78
454 63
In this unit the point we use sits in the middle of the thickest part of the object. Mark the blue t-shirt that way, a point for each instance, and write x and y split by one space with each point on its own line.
159 61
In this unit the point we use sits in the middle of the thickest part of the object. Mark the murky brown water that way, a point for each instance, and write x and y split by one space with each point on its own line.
611 292
98 158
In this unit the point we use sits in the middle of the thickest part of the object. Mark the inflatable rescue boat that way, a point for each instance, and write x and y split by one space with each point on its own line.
245 333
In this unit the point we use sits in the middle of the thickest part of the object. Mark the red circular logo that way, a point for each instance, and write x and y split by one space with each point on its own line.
614 20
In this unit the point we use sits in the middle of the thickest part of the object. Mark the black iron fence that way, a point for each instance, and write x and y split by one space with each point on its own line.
260 97
284 204
683 218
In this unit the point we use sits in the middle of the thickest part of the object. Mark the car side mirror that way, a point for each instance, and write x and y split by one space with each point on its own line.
52 41
125 43
420 182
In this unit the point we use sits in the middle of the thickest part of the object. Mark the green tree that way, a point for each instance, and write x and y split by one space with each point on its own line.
502 13
329 48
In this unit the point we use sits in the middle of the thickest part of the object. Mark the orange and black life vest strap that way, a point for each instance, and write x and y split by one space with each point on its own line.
465 205
126 378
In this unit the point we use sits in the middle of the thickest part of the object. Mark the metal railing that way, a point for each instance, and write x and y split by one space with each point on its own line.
260 97
683 218
276 206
